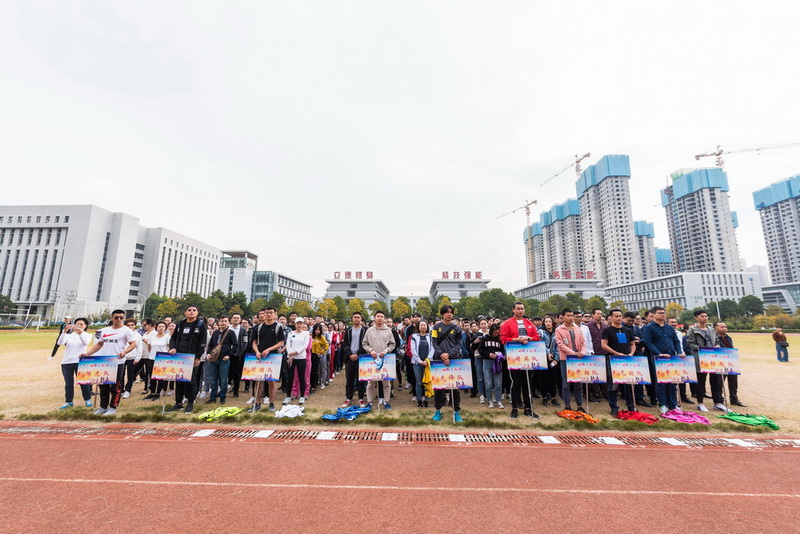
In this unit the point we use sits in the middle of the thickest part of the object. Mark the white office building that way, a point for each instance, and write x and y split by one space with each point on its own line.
606 221
701 225
236 271
779 208
83 259
690 290
368 290
265 283
544 289
457 289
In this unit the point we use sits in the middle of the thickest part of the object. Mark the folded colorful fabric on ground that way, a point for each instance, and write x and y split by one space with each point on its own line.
572 415
219 413
686 417
634 415
349 413
752 420
290 410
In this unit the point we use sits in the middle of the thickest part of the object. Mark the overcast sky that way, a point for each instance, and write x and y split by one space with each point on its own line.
386 136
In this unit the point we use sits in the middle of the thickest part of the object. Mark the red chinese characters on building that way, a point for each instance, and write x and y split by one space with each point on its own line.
348 275
369 275
358 274
456 275
590 274
467 275
445 275
556 274
566 274
337 275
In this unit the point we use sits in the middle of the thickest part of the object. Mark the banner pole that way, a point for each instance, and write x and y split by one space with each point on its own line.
257 392
530 393
453 403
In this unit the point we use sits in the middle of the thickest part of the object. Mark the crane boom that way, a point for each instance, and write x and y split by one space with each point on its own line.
577 164
719 152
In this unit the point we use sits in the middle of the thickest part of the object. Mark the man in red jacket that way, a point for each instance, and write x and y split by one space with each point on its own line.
519 329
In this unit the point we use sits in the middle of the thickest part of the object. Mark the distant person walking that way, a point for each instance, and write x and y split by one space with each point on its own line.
781 345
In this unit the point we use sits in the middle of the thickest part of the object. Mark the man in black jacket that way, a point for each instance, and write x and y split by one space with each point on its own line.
239 328
352 347
217 371
190 337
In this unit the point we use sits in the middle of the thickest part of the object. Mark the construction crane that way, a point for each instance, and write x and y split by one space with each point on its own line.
529 240
577 164
719 152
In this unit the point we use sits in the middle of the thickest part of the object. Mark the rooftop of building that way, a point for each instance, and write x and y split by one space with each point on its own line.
643 228
663 255
777 192
609 165
685 182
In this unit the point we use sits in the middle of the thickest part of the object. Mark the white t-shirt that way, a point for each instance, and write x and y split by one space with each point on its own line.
136 353
146 343
158 344
74 346
298 342
114 341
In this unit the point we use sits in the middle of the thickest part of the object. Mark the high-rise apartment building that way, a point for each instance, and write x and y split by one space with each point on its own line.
664 265
779 208
701 225
606 221
646 250
562 239
538 252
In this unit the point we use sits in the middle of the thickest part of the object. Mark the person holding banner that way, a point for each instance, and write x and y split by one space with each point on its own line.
378 342
296 346
618 340
550 379
158 342
662 340
115 340
190 337
447 342
725 341
75 339
570 342
268 337
702 336
520 329
132 359
352 348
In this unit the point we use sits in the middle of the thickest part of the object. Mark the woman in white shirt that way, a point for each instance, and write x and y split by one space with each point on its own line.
76 340
158 342
296 345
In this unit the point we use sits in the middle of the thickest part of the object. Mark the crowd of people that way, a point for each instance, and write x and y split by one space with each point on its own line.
315 351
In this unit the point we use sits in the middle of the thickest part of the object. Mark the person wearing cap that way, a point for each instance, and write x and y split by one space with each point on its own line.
296 345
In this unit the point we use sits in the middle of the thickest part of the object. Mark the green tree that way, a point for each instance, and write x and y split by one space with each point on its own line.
341 309
400 308
258 304
618 304
151 305
424 307
276 300
356 305
377 306
7 305
191 299
284 309
596 302
730 308
751 305
237 299
774 309
327 308
496 302
763 322
576 302
686 317
532 307
237 309
673 310
168 308
303 308
213 307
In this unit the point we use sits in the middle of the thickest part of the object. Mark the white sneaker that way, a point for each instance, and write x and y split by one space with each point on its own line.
483 399
721 407
322 386
500 405
202 395
170 392
252 400
664 409
301 401
110 411
702 408
491 404
126 395
287 400
100 411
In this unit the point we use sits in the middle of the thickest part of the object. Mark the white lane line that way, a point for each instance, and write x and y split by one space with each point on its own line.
340 487
457 438
327 434
549 439
673 441
203 433
263 433
741 442
389 436
611 441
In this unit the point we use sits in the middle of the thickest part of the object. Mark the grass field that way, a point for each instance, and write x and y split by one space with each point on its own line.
31 387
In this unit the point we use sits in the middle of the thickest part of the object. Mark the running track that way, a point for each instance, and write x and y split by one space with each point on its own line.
72 482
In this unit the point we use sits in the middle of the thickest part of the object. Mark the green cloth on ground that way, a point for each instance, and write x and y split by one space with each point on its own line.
752 420
219 413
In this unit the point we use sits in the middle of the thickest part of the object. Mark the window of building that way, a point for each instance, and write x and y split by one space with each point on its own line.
133 292
38 218
66 218
137 264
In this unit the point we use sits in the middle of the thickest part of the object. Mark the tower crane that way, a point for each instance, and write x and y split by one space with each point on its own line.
577 164
719 152
529 240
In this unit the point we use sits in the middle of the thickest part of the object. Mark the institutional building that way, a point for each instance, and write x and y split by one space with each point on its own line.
357 284
83 259
690 290
265 283
236 271
606 221
779 208
701 225
457 285
544 289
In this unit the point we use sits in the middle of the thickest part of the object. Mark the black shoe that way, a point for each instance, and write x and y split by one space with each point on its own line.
150 397
568 407
536 396
256 407
594 399
686 400
644 403
271 407
419 404
514 413
235 395
580 409
554 402
174 408
545 402
211 401
145 392
425 403
738 403
527 412
222 401
614 411
189 408
473 395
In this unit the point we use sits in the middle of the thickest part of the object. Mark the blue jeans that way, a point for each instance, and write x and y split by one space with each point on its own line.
419 371
782 350
576 387
481 385
217 375
667 395
69 370
492 381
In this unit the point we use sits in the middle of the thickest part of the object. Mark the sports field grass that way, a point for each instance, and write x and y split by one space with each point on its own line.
31 387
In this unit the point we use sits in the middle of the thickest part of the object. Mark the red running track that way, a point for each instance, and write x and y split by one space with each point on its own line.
114 485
